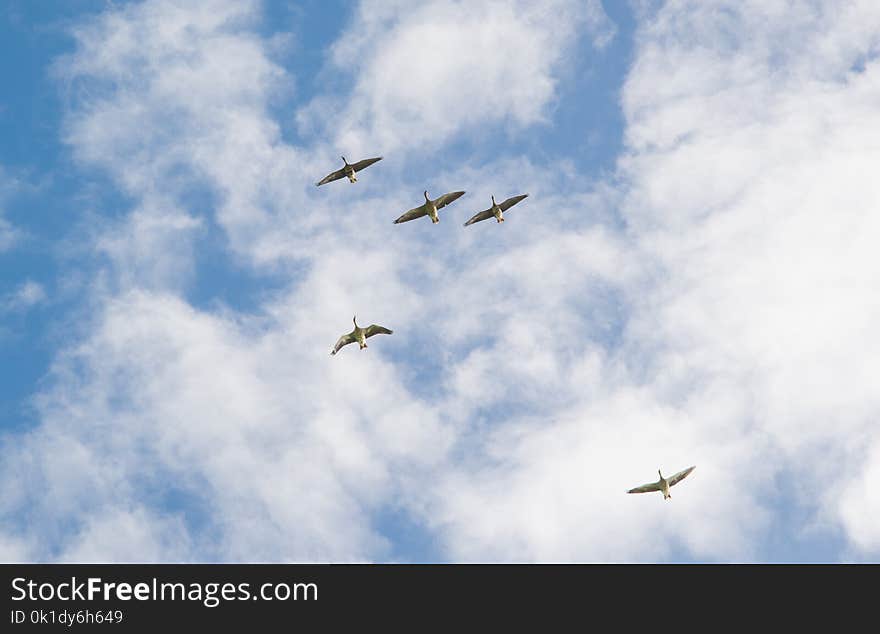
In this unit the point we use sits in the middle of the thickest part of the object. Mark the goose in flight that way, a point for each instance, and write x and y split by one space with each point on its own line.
349 170
360 335
429 208
496 210
663 484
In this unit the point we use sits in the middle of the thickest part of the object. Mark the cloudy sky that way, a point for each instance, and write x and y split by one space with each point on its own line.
694 279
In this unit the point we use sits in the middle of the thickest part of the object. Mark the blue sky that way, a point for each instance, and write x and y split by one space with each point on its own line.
691 281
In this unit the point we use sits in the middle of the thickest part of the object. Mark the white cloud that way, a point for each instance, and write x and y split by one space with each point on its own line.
424 72
171 100
151 247
120 535
278 451
858 503
13 550
771 175
751 204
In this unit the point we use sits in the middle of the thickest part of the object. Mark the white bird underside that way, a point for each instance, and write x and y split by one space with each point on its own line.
658 486
424 210
352 337
490 212
341 173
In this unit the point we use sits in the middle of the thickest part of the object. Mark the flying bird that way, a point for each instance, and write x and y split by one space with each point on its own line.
360 335
496 210
429 208
349 170
663 484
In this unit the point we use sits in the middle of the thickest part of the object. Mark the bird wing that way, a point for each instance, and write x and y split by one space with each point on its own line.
331 177
376 330
510 202
483 215
357 167
412 214
344 340
445 199
681 475
646 488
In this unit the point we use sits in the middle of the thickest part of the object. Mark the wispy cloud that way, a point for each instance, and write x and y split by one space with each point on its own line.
423 73
8 186
26 296
172 100
748 344
7 235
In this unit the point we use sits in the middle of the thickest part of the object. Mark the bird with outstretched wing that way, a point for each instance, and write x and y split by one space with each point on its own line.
360 335
349 169
496 210
429 207
663 484
681 475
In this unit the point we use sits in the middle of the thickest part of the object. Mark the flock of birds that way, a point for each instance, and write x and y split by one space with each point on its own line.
429 208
